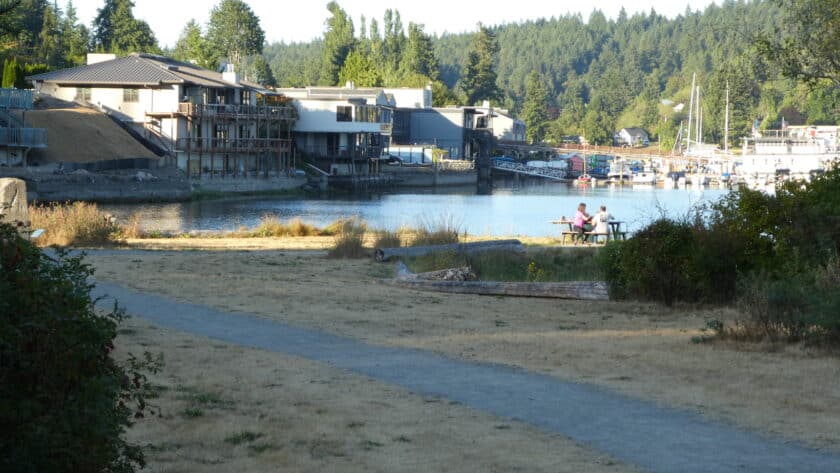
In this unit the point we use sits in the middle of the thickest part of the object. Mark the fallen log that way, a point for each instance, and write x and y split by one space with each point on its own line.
385 254
582 290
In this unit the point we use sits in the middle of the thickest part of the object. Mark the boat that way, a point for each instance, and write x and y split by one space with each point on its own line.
644 177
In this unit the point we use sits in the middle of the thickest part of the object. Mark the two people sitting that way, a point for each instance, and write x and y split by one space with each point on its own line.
585 223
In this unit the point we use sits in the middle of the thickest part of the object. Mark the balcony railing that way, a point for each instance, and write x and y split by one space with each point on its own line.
237 111
339 152
23 137
16 99
234 145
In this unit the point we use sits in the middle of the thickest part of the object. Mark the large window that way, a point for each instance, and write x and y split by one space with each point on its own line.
344 114
131 95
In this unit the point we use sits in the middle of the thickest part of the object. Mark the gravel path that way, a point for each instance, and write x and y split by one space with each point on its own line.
638 432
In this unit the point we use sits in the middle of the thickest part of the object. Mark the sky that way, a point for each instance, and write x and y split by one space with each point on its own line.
303 20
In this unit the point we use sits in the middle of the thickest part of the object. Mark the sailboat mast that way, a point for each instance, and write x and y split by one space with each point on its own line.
690 111
726 123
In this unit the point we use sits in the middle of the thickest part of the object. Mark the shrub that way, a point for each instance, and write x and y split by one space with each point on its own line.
79 223
656 264
65 401
270 226
349 239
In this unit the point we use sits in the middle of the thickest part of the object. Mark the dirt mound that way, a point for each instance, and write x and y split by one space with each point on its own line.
77 134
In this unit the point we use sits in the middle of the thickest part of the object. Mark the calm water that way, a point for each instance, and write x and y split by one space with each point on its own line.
523 211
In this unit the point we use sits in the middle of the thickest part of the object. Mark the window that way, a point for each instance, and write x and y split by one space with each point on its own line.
344 114
83 95
131 95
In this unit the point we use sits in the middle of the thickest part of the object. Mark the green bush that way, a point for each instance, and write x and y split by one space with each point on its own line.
656 264
65 402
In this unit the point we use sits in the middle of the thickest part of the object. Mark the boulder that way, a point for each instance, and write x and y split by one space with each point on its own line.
13 206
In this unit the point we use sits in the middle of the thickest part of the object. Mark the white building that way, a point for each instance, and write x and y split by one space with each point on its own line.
214 123
346 126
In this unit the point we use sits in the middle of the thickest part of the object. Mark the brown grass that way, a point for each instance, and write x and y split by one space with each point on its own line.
350 240
227 408
644 350
75 224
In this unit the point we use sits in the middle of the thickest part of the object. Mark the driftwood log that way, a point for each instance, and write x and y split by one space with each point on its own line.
385 254
582 290
461 281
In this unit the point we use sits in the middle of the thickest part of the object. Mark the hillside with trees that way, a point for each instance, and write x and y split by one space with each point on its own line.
566 75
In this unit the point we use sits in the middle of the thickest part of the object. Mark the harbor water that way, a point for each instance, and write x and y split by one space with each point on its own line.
512 211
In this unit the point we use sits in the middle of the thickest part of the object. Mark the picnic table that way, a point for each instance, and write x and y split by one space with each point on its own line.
614 231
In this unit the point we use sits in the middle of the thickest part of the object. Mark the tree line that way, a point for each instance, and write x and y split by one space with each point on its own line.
563 75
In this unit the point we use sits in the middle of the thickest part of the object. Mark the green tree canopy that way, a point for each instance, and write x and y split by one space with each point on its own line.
339 41
361 70
478 79
115 30
234 32
808 45
535 110
193 47
419 54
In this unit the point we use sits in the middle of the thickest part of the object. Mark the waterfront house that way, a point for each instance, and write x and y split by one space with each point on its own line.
631 137
212 124
343 129
458 131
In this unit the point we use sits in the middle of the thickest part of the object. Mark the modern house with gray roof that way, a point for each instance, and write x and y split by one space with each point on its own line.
344 129
213 123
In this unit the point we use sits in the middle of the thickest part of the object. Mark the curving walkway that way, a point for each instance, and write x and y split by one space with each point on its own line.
637 432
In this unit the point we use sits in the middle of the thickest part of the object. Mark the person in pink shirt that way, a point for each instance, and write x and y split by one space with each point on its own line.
582 219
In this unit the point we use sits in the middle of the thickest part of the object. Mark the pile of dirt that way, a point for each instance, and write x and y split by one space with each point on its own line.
77 134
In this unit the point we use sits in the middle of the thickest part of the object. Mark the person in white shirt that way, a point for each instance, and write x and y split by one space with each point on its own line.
600 219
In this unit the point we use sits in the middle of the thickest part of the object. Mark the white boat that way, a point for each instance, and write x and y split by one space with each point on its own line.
644 177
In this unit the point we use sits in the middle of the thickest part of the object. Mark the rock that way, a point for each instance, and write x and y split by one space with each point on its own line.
13 206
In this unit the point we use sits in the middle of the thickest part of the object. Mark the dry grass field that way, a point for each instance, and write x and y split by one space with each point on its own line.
348 423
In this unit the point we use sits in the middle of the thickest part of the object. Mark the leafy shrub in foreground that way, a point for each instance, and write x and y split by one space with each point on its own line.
656 264
64 401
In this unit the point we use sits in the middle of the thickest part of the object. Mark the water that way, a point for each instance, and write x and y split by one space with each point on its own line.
525 211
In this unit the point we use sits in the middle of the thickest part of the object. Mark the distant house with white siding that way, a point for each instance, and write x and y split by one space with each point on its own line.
631 137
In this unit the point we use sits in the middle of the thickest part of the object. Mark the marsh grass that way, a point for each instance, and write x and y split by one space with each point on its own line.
440 231
79 223
272 226
547 265
350 239
386 239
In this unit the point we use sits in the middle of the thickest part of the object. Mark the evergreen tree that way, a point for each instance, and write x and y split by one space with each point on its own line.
359 69
535 109
339 41
419 55
52 48
234 33
193 47
76 36
116 30
478 80
810 38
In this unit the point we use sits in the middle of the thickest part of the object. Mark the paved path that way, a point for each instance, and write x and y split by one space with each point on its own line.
637 432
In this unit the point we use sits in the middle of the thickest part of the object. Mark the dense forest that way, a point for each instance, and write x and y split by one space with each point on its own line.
565 75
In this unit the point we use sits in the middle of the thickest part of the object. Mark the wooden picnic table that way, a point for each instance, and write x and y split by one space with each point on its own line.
614 232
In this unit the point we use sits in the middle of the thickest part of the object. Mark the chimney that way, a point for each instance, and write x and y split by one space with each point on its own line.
93 58
230 75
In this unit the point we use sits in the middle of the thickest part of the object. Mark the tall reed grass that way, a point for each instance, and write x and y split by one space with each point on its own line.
349 239
75 224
